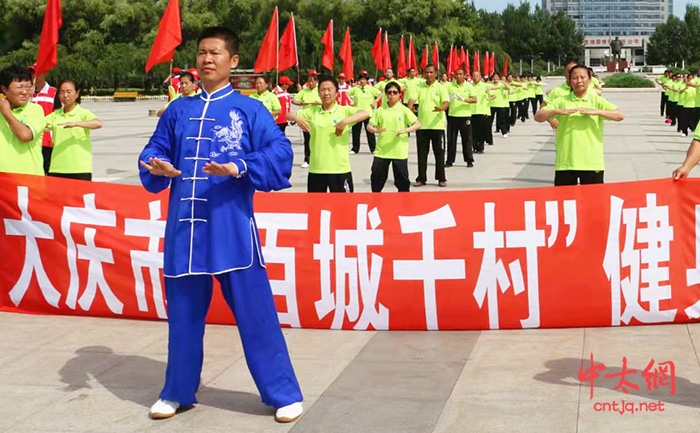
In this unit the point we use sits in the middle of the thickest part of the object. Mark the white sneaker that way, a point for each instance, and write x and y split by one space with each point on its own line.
505 135
163 409
289 413
352 152
304 164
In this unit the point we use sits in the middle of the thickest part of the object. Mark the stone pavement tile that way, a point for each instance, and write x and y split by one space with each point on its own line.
508 415
678 415
314 376
515 364
325 343
94 410
427 346
228 411
27 331
20 402
368 414
60 369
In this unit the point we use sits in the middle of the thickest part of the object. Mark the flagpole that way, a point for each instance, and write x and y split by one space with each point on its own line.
277 45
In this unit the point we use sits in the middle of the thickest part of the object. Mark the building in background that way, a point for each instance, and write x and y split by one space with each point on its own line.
600 21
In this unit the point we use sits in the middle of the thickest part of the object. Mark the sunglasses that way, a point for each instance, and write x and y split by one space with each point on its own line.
392 92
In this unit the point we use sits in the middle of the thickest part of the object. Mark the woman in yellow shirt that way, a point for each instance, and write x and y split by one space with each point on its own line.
70 127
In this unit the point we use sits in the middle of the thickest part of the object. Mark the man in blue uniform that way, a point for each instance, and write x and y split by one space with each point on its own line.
214 150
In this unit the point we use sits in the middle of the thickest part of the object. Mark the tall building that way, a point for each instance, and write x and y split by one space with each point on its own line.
601 21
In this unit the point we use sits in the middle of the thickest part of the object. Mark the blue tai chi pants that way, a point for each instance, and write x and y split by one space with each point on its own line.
249 296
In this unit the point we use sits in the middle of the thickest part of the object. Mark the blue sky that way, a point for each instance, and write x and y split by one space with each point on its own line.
499 5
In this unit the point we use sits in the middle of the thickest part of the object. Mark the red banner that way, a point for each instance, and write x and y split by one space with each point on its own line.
603 255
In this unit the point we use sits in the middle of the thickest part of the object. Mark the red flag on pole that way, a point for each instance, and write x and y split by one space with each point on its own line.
169 36
505 65
267 56
401 62
288 57
455 59
436 56
412 62
47 57
467 66
487 64
386 52
493 62
463 60
476 61
346 56
377 50
327 40
450 64
424 58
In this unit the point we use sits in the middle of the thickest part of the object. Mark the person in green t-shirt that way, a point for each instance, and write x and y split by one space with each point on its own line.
692 158
70 127
499 95
187 88
307 98
673 88
410 82
579 141
433 100
481 114
268 99
21 124
661 81
459 118
365 97
686 105
393 121
329 166
539 93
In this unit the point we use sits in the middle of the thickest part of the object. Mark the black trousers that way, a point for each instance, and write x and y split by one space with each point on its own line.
283 126
539 99
502 120
461 126
78 176
425 138
572 177
533 103
684 118
356 130
340 182
380 173
522 109
46 153
664 100
696 119
481 128
513 112
307 148
671 108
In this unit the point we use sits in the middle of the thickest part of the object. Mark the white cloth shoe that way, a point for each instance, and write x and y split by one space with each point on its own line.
289 413
163 409
304 164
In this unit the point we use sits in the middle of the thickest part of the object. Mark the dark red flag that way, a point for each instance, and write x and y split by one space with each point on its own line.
436 57
386 52
47 57
288 57
424 58
505 65
401 62
377 51
346 56
327 40
267 56
487 64
169 36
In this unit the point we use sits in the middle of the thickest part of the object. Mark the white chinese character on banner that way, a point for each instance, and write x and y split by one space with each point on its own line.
692 275
355 277
31 230
272 223
88 215
151 260
428 269
493 274
642 284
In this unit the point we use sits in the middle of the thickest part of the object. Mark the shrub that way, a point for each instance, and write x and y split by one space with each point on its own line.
627 80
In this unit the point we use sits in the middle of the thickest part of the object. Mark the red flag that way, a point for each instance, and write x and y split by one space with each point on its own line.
505 65
412 62
47 57
476 61
467 66
450 63
401 62
288 57
267 56
487 64
436 57
455 59
493 62
424 58
327 40
169 36
346 56
463 60
386 52
377 51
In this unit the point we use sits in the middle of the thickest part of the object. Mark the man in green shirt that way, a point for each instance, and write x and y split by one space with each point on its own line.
364 97
433 100
21 124
462 97
410 82
306 98
268 99
661 81
481 114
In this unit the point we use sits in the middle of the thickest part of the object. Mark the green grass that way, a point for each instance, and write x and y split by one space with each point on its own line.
627 81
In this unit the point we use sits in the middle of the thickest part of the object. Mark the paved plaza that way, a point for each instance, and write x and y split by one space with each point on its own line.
73 374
